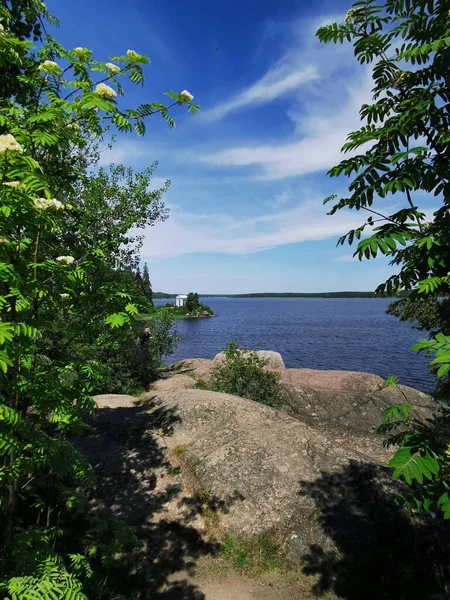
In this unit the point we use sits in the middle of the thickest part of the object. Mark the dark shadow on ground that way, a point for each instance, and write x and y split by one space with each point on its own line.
125 451
382 553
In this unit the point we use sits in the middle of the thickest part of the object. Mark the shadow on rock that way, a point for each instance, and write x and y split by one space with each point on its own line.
129 462
381 551
163 418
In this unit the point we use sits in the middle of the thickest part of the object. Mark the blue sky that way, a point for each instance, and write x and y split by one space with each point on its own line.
248 173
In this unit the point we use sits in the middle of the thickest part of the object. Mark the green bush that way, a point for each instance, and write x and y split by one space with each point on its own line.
243 374
130 364
126 365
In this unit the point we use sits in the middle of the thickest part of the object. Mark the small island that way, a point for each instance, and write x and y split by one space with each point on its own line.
189 307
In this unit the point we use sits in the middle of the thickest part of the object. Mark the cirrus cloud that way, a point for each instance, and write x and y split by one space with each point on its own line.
277 82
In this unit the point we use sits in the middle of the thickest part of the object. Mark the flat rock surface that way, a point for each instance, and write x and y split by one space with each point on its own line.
200 367
115 401
330 500
348 381
177 382
253 458
352 411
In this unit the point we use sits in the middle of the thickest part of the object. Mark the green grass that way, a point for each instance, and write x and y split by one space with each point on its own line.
201 384
178 451
391 381
205 495
261 555
138 391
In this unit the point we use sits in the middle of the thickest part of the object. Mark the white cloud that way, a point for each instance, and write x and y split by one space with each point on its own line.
280 199
304 63
277 82
121 152
187 233
323 132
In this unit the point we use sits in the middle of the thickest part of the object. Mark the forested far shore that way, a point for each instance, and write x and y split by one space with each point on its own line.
163 295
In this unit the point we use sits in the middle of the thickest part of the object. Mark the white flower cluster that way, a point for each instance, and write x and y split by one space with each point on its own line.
12 184
8 143
349 15
187 97
354 15
113 68
66 260
64 297
132 54
74 126
79 51
46 204
401 78
49 66
104 90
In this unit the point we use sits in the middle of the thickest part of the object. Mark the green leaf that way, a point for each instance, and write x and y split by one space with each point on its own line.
443 370
132 309
441 358
409 464
117 319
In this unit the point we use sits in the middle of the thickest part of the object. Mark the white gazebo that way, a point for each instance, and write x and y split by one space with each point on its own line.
180 300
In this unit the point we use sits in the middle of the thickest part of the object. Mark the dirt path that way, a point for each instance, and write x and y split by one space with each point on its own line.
137 483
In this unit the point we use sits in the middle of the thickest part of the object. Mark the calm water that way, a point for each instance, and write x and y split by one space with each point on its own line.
350 334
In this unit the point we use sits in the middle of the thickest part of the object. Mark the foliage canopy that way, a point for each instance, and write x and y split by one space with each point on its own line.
66 261
396 161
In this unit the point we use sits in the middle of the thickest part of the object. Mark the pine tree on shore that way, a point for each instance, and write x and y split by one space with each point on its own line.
147 285
138 277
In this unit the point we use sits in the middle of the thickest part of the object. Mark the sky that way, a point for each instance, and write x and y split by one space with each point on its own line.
249 171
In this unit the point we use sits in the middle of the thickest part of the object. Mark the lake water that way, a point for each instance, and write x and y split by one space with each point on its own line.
350 334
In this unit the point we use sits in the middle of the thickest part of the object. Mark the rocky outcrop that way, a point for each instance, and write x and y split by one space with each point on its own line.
253 460
199 368
250 470
259 462
355 409
262 471
349 402
199 314
177 382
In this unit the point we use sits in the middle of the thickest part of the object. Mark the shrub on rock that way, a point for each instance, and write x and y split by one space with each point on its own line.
243 373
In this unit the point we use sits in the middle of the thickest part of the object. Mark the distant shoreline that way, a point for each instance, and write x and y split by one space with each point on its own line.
164 296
